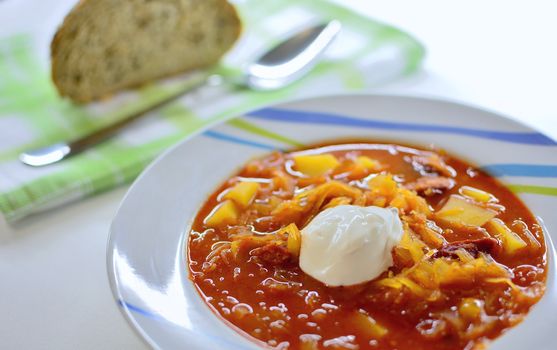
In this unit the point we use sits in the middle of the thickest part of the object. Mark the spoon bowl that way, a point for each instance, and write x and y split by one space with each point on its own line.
291 59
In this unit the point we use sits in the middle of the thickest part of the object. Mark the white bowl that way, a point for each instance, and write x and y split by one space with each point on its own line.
146 251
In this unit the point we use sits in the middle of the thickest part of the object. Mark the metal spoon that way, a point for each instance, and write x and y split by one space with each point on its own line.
282 65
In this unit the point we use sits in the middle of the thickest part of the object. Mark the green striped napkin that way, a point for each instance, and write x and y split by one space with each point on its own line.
366 54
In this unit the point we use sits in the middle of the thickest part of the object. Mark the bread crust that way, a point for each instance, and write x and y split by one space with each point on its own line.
79 13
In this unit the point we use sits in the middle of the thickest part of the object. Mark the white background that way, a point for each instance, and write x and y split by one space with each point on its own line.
54 294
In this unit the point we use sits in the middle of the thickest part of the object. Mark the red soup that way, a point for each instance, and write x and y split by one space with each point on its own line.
470 263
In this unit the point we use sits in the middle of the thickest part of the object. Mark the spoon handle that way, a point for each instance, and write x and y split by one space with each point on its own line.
58 151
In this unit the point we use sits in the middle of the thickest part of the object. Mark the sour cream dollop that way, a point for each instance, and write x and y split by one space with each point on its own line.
348 244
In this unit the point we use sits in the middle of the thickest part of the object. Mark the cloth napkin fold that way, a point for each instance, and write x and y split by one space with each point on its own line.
366 54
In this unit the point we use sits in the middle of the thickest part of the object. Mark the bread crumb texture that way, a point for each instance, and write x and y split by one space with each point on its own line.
107 45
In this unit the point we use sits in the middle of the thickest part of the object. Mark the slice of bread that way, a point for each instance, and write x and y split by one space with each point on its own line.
107 45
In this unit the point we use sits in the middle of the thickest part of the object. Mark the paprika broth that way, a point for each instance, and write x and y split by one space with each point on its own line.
469 265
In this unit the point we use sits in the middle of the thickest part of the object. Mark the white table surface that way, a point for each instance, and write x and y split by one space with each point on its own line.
54 292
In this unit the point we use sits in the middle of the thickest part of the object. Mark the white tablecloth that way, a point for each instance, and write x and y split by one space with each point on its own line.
54 292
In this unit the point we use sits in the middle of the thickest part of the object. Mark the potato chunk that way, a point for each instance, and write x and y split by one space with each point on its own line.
315 164
242 193
462 211
511 241
367 163
471 309
222 214
383 185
